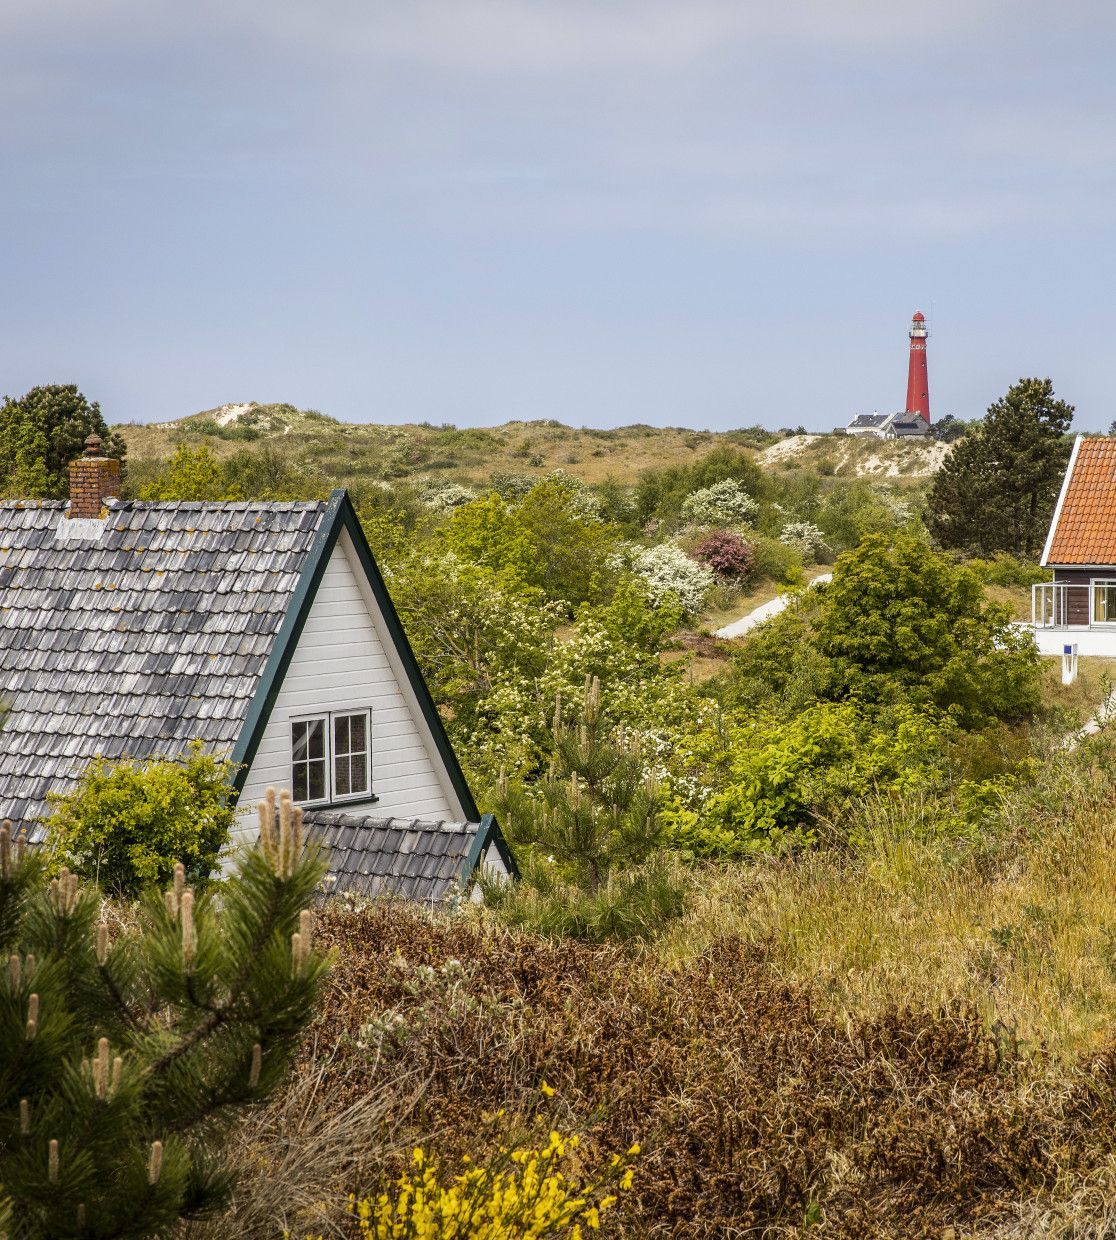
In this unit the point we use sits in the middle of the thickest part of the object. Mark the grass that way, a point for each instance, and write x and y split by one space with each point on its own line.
1022 928
345 452
1095 680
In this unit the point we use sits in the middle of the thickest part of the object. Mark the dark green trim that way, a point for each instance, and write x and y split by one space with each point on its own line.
488 832
340 515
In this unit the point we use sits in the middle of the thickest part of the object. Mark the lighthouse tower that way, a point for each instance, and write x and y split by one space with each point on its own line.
918 386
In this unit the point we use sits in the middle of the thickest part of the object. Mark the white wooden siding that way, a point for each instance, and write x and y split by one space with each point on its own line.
345 659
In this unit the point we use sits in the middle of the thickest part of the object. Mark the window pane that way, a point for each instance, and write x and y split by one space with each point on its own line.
358 773
317 781
301 787
316 745
357 733
299 733
341 734
341 781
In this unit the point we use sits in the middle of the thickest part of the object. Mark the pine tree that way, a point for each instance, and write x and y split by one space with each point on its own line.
126 1056
996 489
590 833
41 432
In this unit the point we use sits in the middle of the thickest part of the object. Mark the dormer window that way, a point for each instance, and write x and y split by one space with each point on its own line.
331 758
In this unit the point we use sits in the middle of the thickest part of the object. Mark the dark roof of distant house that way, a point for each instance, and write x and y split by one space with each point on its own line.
1083 530
905 424
416 860
868 420
150 630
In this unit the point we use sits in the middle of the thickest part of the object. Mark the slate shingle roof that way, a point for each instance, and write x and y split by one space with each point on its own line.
139 641
1085 532
392 856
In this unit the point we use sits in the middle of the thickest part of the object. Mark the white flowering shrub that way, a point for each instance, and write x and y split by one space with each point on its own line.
805 538
724 503
898 508
667 569
443 495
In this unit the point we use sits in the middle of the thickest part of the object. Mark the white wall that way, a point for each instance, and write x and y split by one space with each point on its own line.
345 659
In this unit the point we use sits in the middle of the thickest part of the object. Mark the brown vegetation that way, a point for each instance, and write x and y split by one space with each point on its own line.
759 1114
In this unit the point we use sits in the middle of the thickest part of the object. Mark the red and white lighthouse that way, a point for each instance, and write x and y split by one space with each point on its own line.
918 386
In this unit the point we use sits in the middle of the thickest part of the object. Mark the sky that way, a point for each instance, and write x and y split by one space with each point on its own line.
704 213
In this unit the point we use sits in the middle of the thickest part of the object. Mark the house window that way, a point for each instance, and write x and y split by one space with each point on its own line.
309 764
1104 602
351 773
331 758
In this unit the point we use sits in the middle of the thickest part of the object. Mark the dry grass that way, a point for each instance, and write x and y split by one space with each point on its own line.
297 1159
1024 931
761 1108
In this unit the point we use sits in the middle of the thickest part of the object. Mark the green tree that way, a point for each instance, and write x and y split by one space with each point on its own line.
996 489
127 825
590 834
127 1055
41 432
902 622
192 475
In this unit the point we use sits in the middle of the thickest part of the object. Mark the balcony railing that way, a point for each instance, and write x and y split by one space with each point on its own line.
1061 605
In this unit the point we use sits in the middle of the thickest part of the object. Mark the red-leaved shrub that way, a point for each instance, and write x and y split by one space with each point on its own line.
726 553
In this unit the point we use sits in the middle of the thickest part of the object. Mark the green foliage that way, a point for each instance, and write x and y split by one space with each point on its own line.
853 508
632 617
898 623
784 775
551 539
997 488
776 561
589 834
660 493
192 475
127 825
41 432
901 622
127 1056
1007 570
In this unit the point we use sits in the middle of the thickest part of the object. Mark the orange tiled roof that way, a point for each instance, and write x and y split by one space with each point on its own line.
1085 532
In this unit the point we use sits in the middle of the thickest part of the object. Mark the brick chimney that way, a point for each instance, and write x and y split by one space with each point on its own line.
93 478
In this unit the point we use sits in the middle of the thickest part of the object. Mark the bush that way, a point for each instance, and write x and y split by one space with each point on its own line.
726 553
723 503
1007 570
786 774
776 561
523 1194
127 1057
901 622
127 825
805 538
668 570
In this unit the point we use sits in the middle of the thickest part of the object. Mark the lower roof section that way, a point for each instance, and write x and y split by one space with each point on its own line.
408 858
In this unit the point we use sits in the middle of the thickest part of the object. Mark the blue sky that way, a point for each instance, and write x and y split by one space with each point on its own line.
698 212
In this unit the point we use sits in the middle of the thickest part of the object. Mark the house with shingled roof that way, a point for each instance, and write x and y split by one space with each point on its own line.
264 630
1078 605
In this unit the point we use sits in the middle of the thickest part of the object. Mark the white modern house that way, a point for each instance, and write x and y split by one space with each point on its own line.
264 630
1077 606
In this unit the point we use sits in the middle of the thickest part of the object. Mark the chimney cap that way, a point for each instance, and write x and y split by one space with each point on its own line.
93 445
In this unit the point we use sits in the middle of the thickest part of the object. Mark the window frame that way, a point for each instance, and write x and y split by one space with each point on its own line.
323 719
326 718
366 795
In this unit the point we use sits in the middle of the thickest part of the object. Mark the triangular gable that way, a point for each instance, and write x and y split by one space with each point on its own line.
340 517
1083 528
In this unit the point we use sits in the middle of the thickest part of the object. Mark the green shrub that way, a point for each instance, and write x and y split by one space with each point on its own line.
786 775
127 825
1008 570
776 561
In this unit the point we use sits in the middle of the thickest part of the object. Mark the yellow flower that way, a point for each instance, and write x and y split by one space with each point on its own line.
546 1090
